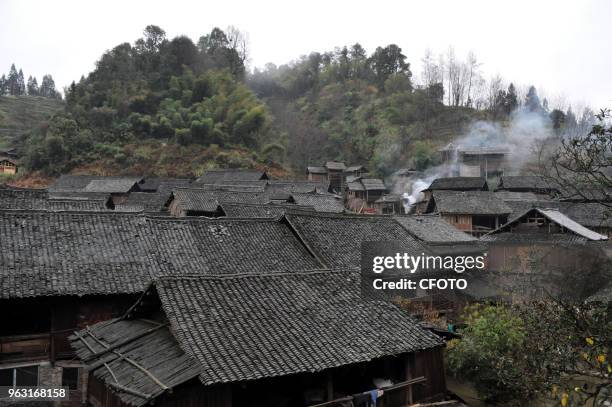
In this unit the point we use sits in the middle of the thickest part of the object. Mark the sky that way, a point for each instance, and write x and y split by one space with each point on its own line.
561 47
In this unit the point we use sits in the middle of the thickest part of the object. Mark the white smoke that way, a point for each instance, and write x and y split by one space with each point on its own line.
518 137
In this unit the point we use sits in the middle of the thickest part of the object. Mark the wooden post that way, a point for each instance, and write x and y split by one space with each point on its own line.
409 363
330 386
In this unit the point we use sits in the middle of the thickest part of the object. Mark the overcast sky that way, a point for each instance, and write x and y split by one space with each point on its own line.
562 47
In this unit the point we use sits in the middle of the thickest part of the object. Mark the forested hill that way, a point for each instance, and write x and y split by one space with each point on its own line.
170 107
361 108
174 107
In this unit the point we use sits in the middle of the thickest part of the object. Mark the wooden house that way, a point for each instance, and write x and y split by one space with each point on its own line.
9 161
304 338
468 161
389 204
89 186
474 212
542 251
317 174
362 194
61 271
455 184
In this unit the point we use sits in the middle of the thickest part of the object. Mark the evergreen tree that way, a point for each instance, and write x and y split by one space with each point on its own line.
21 86
32 86
12 81
3 85
532 101
510 100
47 87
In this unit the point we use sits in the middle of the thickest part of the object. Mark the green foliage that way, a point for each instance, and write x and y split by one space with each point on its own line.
346 105
169 90
490 354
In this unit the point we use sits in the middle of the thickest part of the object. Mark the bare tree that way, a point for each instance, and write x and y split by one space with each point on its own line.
239 42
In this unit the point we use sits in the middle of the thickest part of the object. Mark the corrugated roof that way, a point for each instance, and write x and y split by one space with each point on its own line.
571 225
554 216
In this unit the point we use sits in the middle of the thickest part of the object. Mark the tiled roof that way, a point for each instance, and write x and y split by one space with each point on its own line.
373 184
67 253
271 211
77 205
224 245
336 239
81 183
112 186
297 186
459 184
354 168
283 324
335 166
38 199
145 202
525 183
317 170
233 186
70 253
355 186
155 184
238 328
224 176
433 229
193 199
320 202
469 202
534 238
23 198
520 196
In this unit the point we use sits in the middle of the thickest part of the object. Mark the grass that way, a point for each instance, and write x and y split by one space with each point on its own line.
21 114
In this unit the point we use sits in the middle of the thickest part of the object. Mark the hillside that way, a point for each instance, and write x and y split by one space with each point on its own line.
21 114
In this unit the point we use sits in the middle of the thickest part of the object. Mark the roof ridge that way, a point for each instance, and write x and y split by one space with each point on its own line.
198 276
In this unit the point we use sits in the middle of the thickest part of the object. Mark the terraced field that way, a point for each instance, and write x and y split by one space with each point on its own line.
20 114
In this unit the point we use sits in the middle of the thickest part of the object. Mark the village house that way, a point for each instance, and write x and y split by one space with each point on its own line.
362 193
305 333
90 187
467 161
540 251
389 204
474 212
9 161
336 174
527 183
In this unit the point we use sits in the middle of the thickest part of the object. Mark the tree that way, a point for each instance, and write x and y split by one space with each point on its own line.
581 165
47 87
32 86
21 85
12 82
511 99
3 85
532 101
387 61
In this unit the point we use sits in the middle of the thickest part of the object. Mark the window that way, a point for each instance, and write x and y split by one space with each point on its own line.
70 377
19 376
